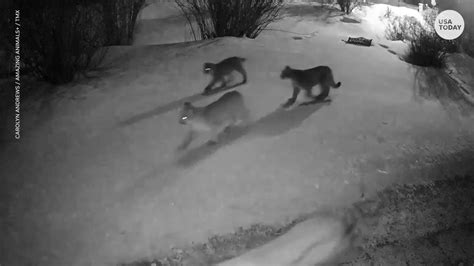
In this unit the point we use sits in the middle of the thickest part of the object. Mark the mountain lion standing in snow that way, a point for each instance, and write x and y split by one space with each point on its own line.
308 78
221 72
228 110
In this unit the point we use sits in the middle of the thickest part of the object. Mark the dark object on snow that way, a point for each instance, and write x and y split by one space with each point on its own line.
346 19
359 41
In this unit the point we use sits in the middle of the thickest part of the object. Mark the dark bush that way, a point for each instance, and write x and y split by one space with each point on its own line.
426 48
348 5
412 2
119 18
429 16
238 18
7 35
60 41
63 38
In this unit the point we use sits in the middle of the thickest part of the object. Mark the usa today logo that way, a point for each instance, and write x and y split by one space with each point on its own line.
449 25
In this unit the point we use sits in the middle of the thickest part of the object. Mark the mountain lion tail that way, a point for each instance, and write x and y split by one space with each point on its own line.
334 84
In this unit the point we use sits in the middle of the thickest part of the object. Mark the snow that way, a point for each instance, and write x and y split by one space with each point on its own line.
161 22
97 180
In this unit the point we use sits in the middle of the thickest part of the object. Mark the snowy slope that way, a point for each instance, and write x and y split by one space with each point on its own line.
101 181
161 22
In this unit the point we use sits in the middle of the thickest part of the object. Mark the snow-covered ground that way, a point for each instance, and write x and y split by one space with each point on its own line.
96 178
161 22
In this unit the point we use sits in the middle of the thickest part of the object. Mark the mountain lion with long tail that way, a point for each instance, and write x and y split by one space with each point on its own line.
306 79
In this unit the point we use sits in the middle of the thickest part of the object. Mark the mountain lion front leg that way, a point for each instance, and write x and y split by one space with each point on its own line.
208 88
291 101
223 84
217 133
187 140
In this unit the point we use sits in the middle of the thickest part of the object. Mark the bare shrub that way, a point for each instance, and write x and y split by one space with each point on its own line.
7 35
388 13
402 28
429 16
120 17
238 18
63 38
426 48
60 38
347 6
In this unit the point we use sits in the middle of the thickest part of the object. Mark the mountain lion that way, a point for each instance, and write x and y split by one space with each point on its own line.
227 111
308 78
221 72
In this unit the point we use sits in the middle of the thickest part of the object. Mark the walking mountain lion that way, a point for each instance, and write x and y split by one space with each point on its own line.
221 72
306 79
227 111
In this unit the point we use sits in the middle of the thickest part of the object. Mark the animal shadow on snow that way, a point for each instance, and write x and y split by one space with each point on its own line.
222 89
173 105
161 109
276 123
281 120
